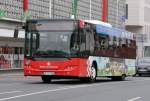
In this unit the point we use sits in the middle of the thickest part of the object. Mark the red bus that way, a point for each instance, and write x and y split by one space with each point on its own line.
83 49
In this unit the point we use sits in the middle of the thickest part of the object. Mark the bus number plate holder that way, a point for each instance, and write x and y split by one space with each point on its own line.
49 73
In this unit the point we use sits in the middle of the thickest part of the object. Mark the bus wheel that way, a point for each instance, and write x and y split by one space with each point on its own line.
93 74
92 77
122 78
46 79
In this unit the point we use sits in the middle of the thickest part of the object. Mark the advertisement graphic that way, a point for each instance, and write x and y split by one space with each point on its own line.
114 66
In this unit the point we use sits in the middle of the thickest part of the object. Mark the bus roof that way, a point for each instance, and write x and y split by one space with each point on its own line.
108 29
88 21
97 22
101 27
120 33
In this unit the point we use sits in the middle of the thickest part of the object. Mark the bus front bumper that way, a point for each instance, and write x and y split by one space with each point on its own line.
67 72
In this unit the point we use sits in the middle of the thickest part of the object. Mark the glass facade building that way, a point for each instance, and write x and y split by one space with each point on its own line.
14 8
117 13
116 10
86 9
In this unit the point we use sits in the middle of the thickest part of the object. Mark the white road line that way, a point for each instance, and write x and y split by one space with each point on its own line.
58 89
10 92
41 92
135 99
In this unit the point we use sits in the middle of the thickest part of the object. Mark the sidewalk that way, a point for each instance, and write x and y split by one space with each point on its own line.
12 72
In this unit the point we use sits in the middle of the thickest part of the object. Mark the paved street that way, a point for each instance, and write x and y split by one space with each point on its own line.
20 88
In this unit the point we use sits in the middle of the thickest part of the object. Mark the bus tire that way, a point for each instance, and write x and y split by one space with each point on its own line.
93 74
122 78
46 79
92 77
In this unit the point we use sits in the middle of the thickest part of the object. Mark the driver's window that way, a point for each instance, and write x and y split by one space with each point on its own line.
28 44
35 41
74 46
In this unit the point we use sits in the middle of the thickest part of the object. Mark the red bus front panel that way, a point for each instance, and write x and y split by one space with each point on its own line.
73 67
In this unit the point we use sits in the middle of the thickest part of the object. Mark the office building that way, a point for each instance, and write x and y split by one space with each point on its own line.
138 21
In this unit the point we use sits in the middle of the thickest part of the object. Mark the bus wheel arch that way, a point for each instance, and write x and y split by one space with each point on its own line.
122 77
93 73
95 66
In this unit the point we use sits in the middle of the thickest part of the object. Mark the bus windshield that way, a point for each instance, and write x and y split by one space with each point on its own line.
50 43
53 44
50 39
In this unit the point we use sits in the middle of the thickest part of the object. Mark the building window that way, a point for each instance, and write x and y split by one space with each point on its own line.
126 11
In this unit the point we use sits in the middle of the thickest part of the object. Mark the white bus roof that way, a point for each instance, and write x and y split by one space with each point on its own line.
98 23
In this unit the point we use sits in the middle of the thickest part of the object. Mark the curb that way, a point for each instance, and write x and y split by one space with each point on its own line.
11 71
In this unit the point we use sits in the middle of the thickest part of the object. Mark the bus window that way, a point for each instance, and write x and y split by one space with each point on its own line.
129 43
87 41
82 40
91 41
110 43
74 45
28 44
114 42
97 44
35 41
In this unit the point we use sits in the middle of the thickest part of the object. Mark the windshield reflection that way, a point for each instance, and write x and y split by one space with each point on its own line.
53 44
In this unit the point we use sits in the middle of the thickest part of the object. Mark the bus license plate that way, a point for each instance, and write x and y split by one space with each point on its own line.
49 73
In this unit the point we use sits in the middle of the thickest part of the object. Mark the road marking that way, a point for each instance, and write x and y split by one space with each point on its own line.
60 89
41 92
135 99
10 92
